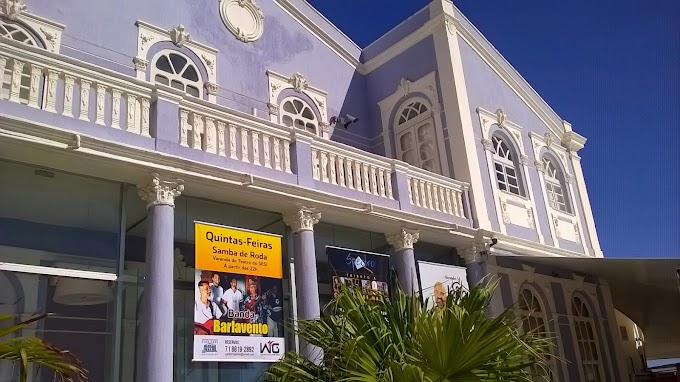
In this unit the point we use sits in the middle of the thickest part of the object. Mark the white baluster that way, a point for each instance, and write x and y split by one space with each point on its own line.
85 99
210 136
244 145
221 147
449 210
69 81
266 150
256 148
232 141
315 165
277 154
435 197
184 128
197 130
459 204
286 156
358 178
409 181
15 84
51 98
423 194
333 170
374 181
101 105
430 199
146 110
341 171
132 125
366 178
381 183
349 174
34 90
115 108
416 191
388 181
324 166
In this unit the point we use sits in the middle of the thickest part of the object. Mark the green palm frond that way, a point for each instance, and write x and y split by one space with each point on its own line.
401 340
31 350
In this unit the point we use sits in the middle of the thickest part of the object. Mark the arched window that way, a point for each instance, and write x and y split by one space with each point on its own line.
554 186
416 138
176 70
297 113
16 32
504 165
533 319
586 338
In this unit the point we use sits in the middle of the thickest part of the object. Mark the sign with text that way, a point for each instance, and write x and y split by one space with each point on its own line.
437 279
365 270
239 251
238 310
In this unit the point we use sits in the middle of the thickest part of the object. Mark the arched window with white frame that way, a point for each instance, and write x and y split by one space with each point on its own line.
415 136
554 186
174 69
17 32
533 319
505 166
297 113
584 325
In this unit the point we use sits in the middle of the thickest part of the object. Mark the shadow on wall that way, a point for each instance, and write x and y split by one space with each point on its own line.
363 134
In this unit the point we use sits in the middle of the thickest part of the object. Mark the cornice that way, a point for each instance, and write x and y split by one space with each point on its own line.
319 33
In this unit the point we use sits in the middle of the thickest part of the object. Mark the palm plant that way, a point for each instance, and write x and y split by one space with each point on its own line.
31 350
402 340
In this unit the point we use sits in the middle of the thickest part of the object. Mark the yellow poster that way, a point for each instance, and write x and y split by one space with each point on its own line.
239 251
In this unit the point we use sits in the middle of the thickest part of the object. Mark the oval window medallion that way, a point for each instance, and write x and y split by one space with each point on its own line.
243 18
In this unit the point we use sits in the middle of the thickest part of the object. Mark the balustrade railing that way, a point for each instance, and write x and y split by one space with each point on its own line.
104 97
436 192
216 131
63 85
346 166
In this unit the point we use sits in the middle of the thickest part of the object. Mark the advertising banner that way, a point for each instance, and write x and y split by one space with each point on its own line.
358 269
437 279
238 311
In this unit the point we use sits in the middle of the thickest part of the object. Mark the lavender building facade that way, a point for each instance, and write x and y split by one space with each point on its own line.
122 123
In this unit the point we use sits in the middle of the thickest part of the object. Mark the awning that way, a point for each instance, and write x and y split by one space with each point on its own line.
645 290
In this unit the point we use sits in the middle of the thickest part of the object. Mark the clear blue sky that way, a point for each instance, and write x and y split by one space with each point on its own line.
612 69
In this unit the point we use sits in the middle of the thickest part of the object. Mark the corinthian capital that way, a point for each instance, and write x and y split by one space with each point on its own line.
302 219
161 191
403 239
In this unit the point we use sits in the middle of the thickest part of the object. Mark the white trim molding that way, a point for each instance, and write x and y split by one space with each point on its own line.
243 18
52 271
426 85
563 225
574 142
49 32
510 208
148 35
297 82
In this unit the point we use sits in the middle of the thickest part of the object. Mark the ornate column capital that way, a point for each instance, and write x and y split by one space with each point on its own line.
161 191
403 239
302 219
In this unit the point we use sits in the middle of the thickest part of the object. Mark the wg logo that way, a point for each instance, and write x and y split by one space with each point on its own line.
209 346
269 347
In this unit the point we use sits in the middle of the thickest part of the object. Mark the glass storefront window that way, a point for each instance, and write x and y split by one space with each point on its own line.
58 220
84 321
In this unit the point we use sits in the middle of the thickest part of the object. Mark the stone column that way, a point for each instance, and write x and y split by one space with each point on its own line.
475 264
404 259
157 338
301 223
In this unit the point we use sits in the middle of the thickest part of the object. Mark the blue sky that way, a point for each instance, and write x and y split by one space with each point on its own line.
612 69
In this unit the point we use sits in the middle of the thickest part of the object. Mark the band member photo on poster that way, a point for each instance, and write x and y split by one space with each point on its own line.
234 304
